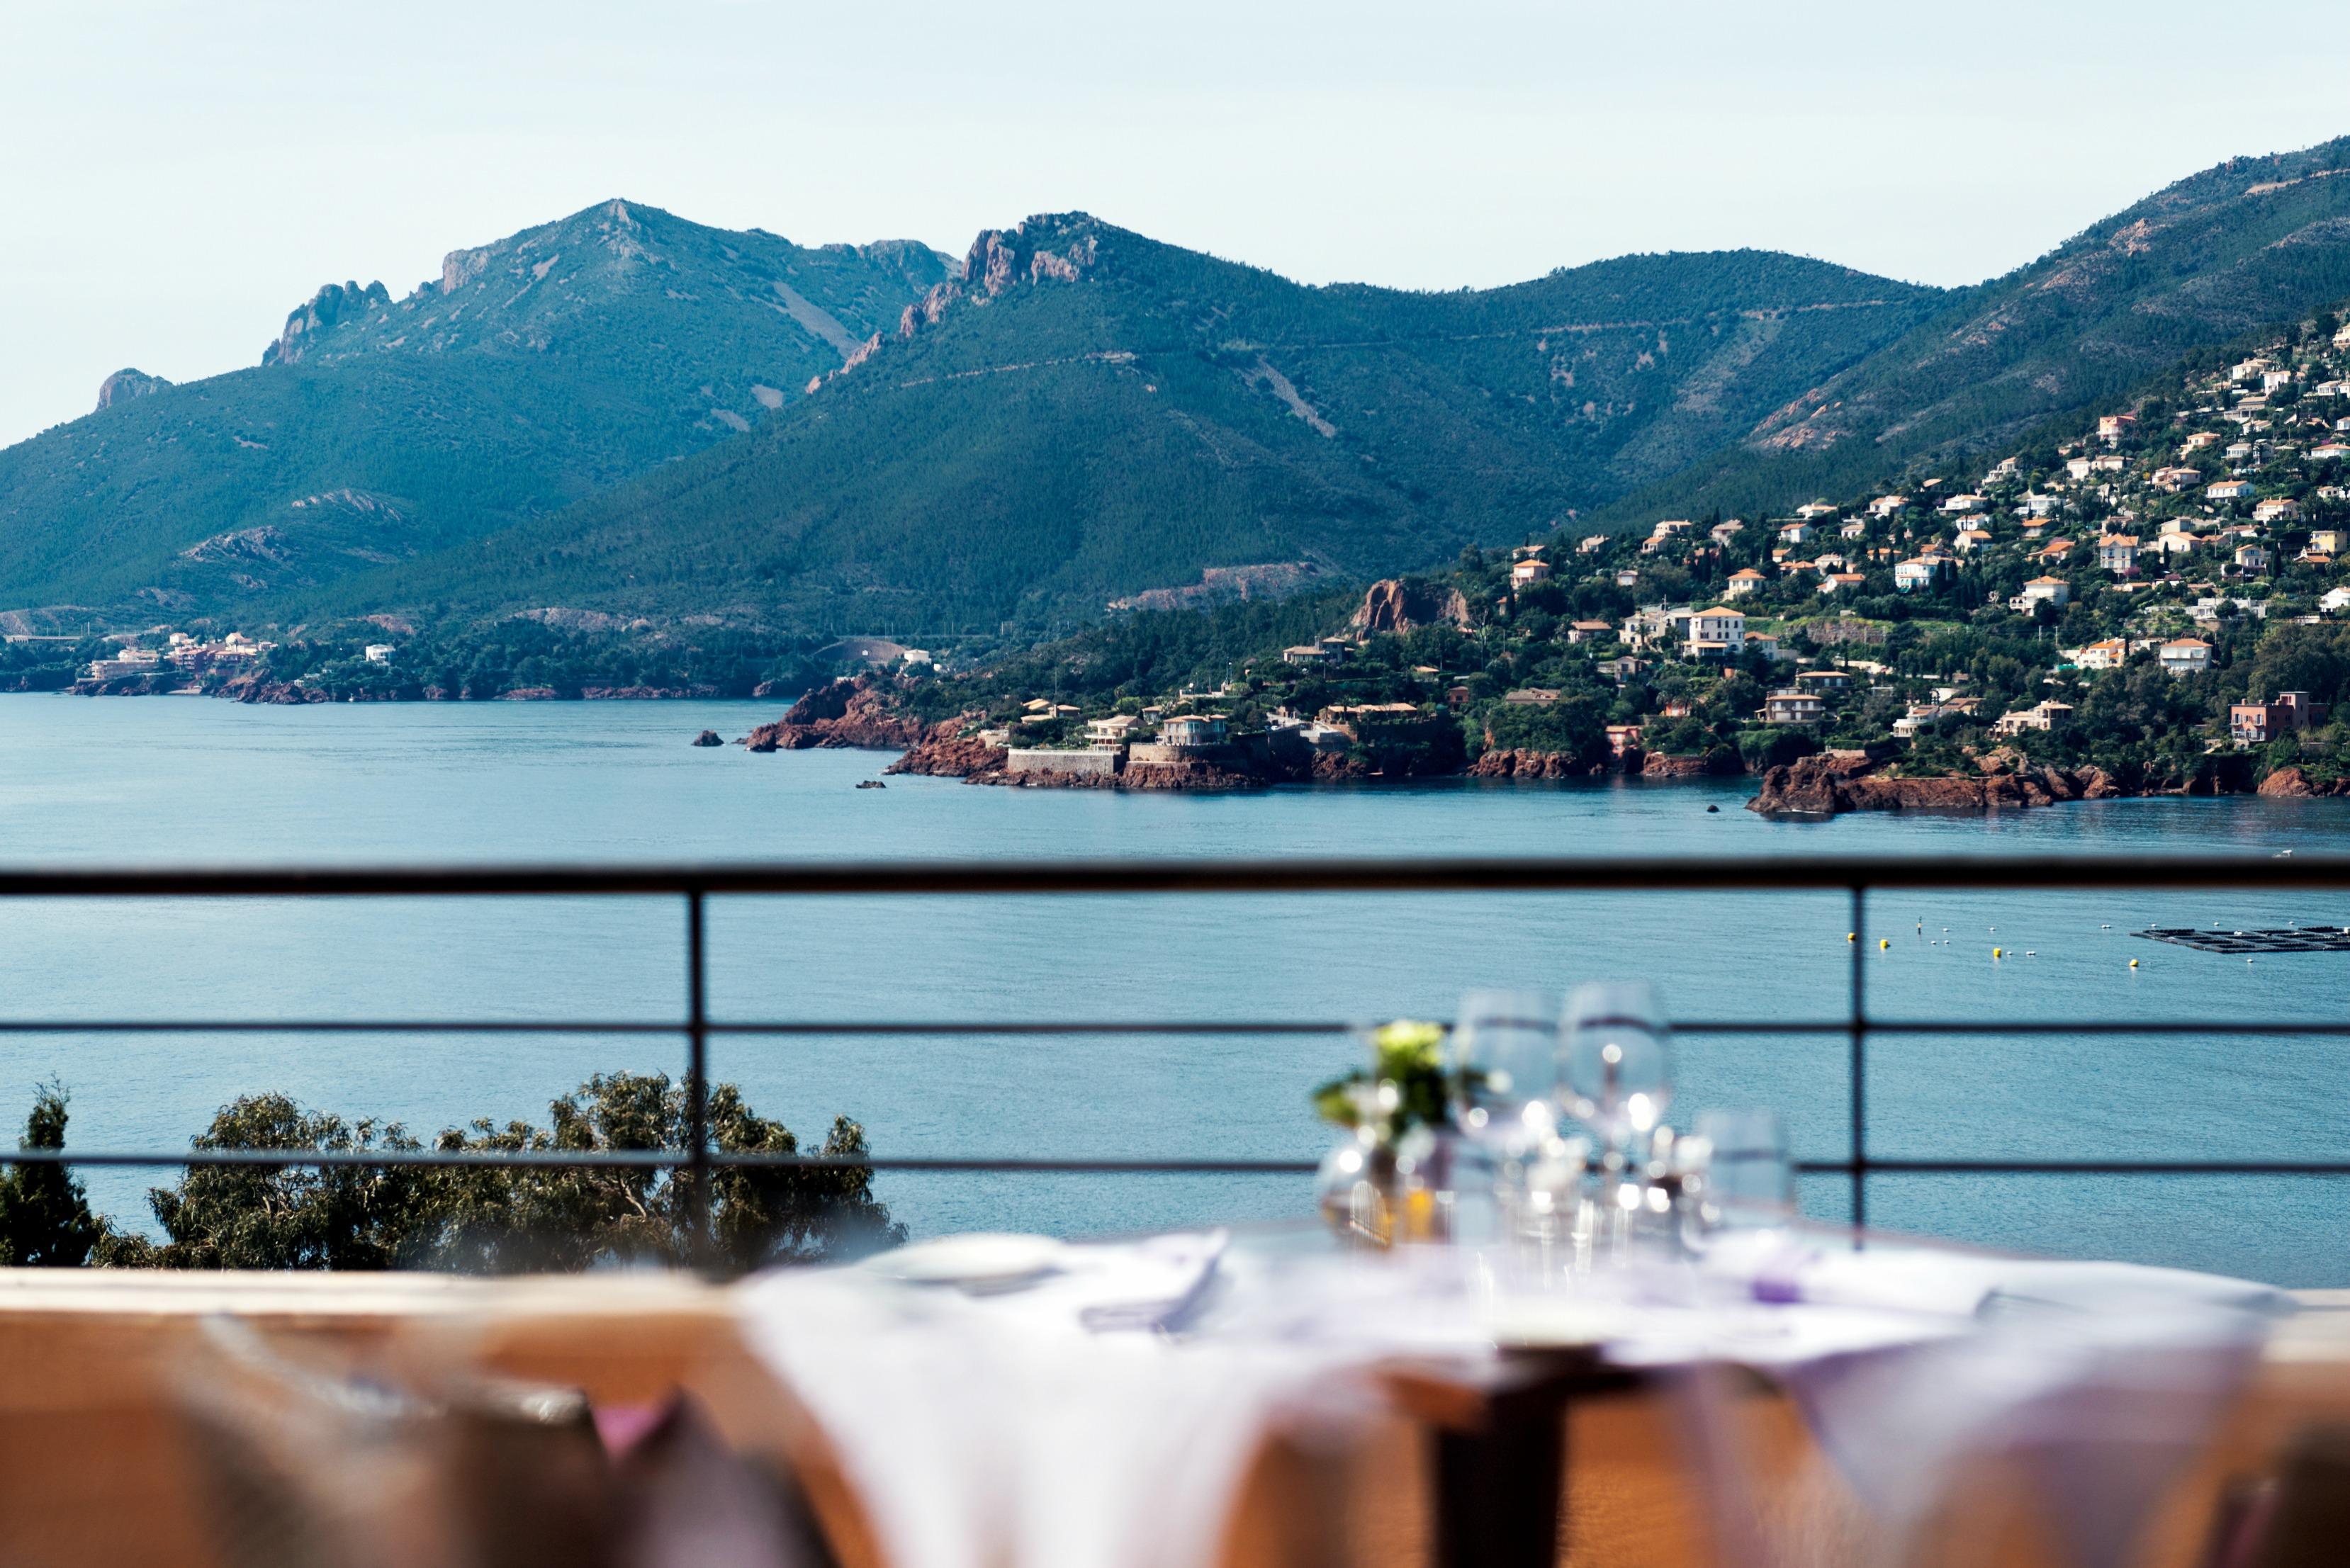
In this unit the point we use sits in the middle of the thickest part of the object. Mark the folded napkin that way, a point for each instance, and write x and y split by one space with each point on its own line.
1138 1286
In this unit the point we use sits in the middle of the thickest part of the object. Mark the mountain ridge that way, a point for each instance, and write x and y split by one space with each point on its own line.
630 415
1110 414
2225 253
469 404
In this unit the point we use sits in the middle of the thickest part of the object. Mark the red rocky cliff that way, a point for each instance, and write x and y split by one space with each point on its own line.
849 713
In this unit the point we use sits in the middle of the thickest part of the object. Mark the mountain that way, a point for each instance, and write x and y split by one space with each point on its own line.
2240 248
530 374
627 415
1083 414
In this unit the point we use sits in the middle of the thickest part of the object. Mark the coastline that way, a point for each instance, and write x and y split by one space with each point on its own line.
848 716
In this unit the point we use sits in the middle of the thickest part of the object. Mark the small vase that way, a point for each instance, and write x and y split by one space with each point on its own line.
1357 1189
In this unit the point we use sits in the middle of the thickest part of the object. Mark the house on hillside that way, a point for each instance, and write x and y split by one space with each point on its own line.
1526 573
2257 723
1717 633
1843 583
2185 655
1793 708
2043 716
2229 490
2117 553
1743 581
2110 654
2040 591
1193 731
1110 733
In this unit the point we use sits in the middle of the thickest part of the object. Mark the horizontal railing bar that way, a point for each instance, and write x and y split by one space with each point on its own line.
664 1158
1879 1166
1011 1027
1531 874
649 1158
589 1026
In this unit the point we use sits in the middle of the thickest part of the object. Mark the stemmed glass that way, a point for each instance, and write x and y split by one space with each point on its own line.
1618 1063
1505 1060
1505 1047
1749 1179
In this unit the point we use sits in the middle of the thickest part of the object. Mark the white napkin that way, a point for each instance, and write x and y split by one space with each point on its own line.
2103 1379
1022 1430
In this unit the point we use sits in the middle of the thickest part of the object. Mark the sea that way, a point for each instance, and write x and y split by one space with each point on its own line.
182 782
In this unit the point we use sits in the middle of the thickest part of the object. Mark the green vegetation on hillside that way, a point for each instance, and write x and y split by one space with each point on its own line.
2242 248
536 372
1092 414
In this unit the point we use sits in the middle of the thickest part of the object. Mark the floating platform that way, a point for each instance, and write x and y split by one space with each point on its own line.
2286 939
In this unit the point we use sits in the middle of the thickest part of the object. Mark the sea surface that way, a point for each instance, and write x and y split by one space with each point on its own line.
182 780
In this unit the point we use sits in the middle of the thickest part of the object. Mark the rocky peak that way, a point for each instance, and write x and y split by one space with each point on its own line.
332 303
1056 247
126 384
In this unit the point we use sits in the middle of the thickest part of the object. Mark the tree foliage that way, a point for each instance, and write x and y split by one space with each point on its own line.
482 1219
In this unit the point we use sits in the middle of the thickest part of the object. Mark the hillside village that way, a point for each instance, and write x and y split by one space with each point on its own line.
2161 602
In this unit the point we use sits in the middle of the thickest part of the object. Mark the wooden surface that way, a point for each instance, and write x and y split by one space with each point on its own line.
95 1468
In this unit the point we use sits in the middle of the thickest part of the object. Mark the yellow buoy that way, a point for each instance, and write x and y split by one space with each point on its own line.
2133 963
1852 936
1995 952
1882 943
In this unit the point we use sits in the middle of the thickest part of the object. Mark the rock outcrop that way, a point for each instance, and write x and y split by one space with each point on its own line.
126 384
849 713
1394 605
1506 763
1828 783
250 687
708 738
946 752
330 305
2290 783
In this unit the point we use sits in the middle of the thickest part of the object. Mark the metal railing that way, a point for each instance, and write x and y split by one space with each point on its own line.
696 885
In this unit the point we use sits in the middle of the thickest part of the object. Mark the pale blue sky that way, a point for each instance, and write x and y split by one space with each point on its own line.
177 175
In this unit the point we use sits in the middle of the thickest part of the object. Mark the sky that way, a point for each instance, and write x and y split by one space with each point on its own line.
176 176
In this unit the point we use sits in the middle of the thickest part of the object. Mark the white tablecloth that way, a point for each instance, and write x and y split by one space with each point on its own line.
1017 1430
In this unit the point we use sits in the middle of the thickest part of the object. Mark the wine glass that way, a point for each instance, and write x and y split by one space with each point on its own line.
1505 1050
1749 1179
1618 1062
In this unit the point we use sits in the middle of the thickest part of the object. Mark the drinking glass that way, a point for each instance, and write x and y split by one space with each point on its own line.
1749 1179
1618 1062
1505 1049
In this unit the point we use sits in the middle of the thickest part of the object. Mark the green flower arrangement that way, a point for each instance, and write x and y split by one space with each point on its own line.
1406 1087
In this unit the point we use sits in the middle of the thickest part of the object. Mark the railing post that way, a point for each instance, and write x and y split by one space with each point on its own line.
697 1088
1859 1064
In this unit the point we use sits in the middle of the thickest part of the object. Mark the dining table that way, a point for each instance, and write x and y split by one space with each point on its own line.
1104 1405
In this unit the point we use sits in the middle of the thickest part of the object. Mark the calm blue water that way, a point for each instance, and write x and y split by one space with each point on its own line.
192 782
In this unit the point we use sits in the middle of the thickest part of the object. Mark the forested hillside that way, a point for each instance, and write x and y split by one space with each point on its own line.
532 373
1084 413
2250 245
